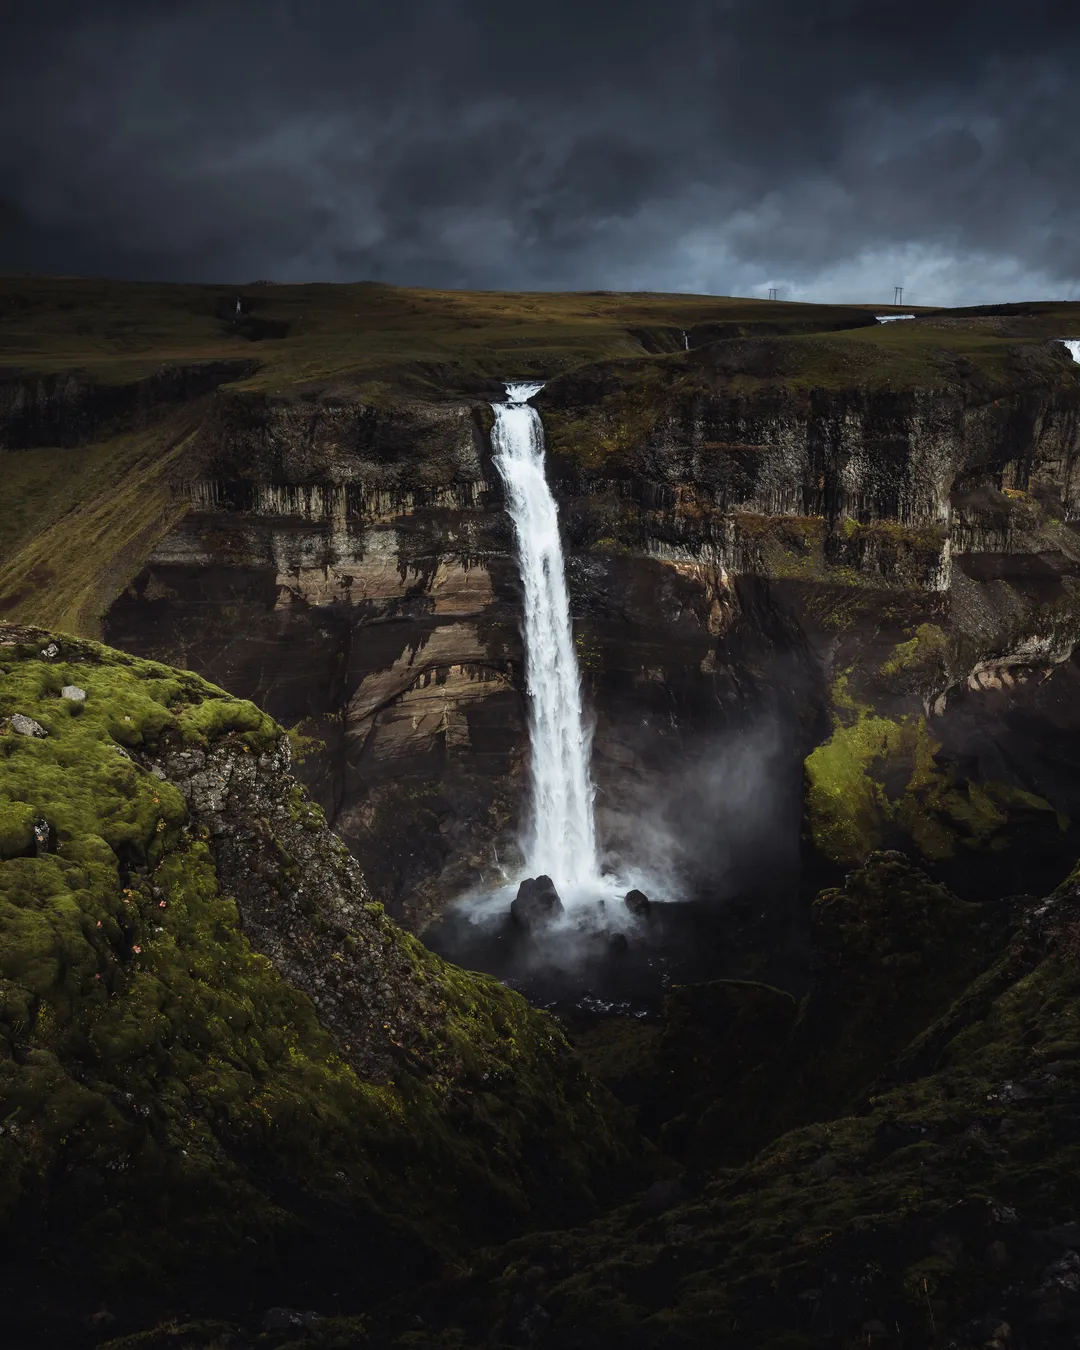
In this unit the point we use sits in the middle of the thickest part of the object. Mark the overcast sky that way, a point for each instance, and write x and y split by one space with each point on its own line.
831 148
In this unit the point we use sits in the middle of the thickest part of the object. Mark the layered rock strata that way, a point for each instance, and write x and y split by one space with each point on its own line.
740 533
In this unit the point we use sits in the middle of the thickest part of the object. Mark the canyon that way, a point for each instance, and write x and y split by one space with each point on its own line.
747 523
823 578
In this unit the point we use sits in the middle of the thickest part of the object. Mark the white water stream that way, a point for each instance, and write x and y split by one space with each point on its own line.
560 837
1073 346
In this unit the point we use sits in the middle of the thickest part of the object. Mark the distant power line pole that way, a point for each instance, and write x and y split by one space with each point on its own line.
772 292
898 295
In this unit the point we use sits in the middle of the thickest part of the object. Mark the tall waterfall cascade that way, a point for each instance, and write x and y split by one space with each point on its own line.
1073 346
560 835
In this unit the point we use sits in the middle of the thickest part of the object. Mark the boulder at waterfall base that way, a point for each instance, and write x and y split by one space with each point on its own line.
536 903
638 903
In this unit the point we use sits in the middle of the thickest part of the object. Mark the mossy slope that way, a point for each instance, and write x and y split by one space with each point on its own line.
76 523
939 1209
881 781
173 1118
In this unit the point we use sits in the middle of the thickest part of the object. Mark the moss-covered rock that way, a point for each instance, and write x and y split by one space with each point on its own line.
881 782
893 951
940 1209
177 1123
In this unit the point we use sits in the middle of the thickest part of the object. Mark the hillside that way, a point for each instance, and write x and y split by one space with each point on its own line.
225 1074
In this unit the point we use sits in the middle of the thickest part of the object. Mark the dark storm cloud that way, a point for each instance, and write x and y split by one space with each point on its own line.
829 147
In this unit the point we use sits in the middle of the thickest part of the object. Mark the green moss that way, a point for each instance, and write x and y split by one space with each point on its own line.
878 781
169 1107
16 828
845 806
301 745
923 653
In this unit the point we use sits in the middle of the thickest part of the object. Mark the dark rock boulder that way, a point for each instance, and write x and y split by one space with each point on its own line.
639 904
663 1194
537 902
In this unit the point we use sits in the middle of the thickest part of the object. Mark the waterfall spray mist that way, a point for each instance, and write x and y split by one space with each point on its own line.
560 838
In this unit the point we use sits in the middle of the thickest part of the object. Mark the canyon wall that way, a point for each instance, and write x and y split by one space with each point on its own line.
739 537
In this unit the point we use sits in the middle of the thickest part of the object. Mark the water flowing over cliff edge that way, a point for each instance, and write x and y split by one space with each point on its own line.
560 835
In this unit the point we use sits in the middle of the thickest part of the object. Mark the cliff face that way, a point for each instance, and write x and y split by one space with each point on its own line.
350 567
67 409
740 534
697 454
791 519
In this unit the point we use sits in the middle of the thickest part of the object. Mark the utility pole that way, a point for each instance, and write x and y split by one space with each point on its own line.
898 295
772 292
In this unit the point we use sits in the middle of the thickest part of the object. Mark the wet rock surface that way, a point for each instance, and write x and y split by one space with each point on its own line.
537 903
638 904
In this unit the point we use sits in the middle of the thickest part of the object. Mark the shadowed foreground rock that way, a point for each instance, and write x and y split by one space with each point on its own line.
939 1205
227 1079
938 1209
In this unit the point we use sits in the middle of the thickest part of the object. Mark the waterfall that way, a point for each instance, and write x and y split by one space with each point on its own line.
685 340
560 838
1073 346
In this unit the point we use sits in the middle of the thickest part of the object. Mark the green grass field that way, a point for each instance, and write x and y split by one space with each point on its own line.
120 331
440 342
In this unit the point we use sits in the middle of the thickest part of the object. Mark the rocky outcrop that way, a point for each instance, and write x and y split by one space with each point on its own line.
217 1053
71 407
536 903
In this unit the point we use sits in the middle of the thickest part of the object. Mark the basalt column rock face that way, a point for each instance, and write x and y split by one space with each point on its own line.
919 531
889 480
342 565
350 568
796 543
